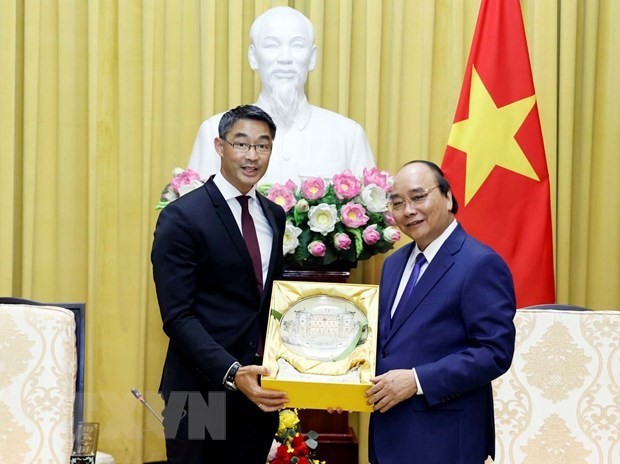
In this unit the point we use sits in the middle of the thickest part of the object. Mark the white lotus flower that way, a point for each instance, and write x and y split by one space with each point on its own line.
291 242
322 218
375 198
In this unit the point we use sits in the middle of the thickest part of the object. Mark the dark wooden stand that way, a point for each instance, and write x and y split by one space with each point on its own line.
337 441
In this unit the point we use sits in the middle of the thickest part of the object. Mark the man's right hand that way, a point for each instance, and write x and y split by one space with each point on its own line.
246 380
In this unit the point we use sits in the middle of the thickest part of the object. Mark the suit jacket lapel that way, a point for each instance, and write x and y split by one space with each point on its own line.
276 236
391 287
231 226
443 260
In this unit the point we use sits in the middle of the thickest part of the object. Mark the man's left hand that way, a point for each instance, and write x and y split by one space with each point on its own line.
247 383
391 388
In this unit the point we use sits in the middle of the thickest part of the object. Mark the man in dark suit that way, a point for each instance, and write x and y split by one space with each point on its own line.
445 332
213 268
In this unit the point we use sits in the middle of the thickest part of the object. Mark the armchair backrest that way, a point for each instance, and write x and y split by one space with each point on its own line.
38 368
560 400
79 313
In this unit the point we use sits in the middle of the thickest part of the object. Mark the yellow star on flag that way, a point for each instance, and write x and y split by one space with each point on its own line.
487 137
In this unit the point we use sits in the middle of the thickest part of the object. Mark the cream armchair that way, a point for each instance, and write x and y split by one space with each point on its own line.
38 367
560 400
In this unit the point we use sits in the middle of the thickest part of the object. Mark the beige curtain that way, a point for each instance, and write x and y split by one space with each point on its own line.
101 99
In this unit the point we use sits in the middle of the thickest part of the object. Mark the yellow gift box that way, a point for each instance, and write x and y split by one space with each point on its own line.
310 381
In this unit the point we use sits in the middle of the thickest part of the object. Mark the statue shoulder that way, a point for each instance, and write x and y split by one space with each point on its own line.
333 118
211 123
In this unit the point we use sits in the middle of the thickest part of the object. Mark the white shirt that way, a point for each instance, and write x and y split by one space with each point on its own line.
429 253
320 143
263 229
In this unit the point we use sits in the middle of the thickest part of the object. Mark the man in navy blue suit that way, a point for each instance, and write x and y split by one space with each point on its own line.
446 330
215 255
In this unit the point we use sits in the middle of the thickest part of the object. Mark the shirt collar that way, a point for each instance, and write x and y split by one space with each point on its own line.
433 247
228 190
302 118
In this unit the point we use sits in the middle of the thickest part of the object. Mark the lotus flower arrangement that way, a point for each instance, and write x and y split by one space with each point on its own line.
342 219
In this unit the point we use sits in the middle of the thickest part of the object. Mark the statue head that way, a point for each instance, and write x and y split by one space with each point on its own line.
283 52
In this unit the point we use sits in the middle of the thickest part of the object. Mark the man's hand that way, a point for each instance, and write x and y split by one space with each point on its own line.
391 388
246 380
335 410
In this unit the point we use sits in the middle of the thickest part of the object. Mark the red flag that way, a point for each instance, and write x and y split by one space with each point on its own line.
495 158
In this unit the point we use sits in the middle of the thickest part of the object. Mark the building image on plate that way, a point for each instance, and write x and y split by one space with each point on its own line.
320 330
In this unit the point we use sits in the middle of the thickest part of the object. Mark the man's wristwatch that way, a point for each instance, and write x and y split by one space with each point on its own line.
229 381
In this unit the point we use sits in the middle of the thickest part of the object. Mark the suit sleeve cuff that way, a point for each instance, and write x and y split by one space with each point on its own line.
419 391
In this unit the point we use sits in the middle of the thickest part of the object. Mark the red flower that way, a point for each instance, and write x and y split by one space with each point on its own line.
299 446
281 459
282 452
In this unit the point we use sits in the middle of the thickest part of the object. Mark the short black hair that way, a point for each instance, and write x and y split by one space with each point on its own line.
245 112
444 185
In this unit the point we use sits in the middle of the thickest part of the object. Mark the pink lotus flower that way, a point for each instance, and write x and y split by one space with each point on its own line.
313 188
379 178
291 185
346 185
183 177
353 215
389 219
371 235
317 248
302 206
391 234
281 195
342 241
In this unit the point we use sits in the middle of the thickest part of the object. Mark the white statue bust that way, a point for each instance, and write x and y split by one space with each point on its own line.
311 141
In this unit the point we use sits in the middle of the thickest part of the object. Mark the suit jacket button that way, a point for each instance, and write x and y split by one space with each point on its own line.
253 345
383 354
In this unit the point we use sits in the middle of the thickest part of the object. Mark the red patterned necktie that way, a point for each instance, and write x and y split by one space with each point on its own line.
251 240
413 279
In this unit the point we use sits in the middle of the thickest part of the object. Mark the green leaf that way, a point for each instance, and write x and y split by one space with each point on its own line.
359 243
263 189
298 218
312 444
348 255
313 435
304 239
374 218
162 204
329 257
276 315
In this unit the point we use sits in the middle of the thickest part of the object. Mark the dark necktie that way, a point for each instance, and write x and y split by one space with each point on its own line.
413 279
251 241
